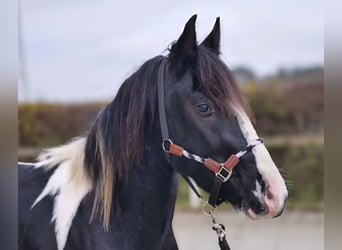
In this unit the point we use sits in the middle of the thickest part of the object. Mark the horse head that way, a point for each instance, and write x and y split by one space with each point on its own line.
207 115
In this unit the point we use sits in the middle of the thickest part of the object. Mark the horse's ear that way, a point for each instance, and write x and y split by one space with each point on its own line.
212 41
185 49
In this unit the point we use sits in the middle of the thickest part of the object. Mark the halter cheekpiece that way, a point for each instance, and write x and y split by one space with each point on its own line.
223 171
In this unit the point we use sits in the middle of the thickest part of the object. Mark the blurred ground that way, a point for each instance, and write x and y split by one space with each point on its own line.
295 230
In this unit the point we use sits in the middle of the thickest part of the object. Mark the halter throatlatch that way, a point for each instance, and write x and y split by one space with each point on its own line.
223 171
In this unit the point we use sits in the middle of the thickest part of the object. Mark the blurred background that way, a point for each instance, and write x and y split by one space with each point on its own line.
74 55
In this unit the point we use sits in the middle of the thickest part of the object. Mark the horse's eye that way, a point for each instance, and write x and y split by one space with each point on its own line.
203 108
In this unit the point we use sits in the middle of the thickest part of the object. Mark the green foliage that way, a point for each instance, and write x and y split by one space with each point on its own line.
303 168
286 108
50 124
31 130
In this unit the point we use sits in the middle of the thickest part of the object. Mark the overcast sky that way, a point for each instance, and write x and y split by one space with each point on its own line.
82 50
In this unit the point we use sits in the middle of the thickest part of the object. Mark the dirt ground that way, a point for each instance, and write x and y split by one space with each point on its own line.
295 230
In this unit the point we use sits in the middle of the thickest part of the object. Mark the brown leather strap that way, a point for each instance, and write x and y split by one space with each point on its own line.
176 149
212 165
232 161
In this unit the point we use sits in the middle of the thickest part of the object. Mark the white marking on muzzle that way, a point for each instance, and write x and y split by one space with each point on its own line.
258 193
265 166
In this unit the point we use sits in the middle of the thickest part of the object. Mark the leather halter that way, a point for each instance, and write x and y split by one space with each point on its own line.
223 171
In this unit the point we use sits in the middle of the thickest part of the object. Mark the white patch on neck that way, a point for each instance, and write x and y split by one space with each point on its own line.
264 162
69 184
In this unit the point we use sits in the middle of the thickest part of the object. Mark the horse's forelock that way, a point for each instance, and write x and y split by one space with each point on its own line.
218 83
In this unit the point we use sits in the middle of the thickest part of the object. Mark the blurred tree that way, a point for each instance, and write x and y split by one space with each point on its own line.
243 74
305 102
51 124
287 109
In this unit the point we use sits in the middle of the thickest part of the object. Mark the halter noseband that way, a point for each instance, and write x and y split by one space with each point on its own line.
223 171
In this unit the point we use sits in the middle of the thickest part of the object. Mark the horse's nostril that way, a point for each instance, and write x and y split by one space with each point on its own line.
269 194
263 207
260 208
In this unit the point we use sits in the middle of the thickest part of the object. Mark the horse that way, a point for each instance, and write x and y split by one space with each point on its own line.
115 186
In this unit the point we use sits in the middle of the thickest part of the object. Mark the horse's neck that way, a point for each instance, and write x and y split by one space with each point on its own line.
150 185
147 198
143 206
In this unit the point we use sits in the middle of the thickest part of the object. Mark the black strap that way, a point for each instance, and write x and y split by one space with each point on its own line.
215 191
161 104
223 243
163 121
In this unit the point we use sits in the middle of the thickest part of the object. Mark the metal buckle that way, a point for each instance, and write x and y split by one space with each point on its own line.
224 174
166 144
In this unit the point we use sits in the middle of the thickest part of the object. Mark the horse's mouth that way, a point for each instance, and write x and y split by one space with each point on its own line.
254 210
252 215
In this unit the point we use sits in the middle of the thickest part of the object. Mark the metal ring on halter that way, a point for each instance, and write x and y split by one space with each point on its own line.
166 148
206 209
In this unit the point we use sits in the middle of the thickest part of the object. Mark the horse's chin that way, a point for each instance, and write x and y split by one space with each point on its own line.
250 213
260 211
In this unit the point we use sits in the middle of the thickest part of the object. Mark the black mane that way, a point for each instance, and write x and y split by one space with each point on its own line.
115 142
